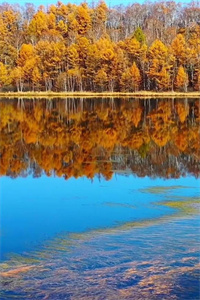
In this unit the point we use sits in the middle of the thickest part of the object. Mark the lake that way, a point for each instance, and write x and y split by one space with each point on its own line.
100 198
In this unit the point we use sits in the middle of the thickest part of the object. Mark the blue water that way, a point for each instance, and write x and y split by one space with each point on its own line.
83 239
35 210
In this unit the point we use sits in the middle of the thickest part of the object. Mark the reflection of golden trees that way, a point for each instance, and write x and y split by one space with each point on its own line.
84 138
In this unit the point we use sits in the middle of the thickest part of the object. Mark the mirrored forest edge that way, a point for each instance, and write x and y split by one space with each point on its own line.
100 137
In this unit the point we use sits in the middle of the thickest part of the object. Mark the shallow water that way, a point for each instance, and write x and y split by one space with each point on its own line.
125 223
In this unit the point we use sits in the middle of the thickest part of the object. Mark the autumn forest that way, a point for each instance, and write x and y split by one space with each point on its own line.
68 47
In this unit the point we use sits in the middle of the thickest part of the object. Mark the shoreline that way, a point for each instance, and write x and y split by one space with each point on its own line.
141 94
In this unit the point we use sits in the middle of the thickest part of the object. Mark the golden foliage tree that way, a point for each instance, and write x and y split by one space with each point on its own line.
181 79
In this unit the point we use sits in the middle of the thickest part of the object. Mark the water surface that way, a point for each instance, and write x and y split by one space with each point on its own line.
100 198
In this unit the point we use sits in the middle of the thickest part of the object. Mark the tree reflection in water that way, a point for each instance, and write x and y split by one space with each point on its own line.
86 137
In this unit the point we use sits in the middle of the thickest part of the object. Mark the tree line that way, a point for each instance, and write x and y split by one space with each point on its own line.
68 47
74 138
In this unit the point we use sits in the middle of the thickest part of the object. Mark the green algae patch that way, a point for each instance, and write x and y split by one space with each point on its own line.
183 205
190 205
162 189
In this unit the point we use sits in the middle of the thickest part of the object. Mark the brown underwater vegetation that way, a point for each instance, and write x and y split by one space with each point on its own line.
111 267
